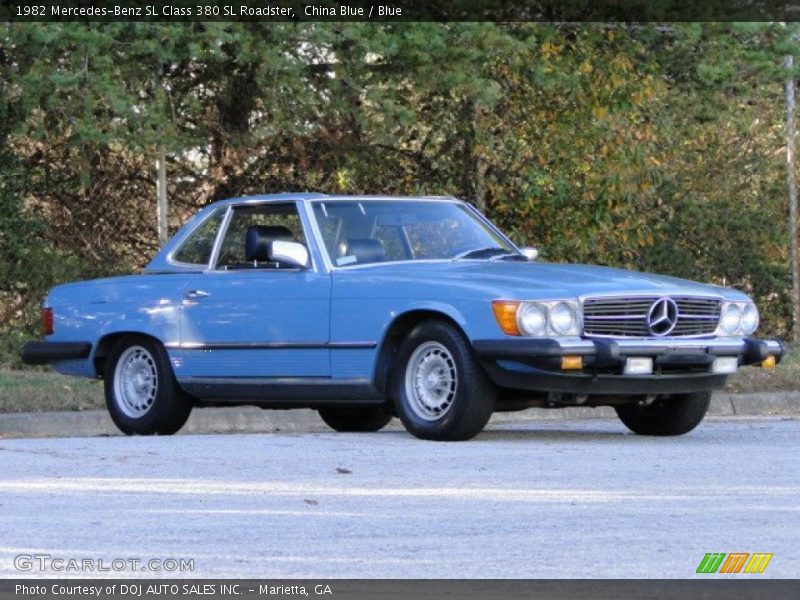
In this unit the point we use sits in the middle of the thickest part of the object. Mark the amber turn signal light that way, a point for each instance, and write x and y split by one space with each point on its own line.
572 363
505 311
769 362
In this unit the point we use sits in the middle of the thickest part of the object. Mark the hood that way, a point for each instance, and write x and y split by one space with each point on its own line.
538 280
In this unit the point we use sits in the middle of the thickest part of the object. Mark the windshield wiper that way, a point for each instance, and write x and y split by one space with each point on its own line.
509 256
482 253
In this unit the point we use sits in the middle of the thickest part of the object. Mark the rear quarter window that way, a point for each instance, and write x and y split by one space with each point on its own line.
197 248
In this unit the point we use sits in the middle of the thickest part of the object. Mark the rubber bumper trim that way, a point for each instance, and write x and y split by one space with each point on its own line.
42 353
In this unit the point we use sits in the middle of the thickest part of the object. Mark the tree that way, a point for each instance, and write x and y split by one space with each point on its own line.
650 147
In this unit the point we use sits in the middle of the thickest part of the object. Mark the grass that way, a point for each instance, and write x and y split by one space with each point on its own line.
785 376
44 391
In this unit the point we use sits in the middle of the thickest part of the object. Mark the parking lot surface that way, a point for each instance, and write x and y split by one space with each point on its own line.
524 500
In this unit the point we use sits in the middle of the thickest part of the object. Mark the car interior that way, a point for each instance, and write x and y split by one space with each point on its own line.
251 231
360 251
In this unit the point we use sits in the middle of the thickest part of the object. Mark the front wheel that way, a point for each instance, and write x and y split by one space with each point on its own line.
440 390
142 395
667 415
356 419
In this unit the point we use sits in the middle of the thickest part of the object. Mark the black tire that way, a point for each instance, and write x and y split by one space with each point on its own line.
168 406
355 418
667 415
469 402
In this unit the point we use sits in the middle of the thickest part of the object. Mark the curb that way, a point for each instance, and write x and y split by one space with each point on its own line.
763 404
249 419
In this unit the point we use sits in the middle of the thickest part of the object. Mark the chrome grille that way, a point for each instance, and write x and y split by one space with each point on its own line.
627 316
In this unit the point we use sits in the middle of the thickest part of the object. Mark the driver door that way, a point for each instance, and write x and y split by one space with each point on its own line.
251 319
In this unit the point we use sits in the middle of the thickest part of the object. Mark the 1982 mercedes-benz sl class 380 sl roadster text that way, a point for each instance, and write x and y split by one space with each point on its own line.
369 307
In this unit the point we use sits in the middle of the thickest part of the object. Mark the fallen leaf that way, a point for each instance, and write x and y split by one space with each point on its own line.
343 471
311 502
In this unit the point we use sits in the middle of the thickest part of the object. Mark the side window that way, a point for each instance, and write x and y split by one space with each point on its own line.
277 221
196 249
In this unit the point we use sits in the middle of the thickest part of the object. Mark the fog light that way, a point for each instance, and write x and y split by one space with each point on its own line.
572 363
769 362
725 365
638 366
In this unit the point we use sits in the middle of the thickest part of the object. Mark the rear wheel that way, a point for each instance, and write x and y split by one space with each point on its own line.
357 418
142 395
667 415
440 390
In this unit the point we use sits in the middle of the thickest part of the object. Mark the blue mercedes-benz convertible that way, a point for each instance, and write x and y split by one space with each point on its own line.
366 308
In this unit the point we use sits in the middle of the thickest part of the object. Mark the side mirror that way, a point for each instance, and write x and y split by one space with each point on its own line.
529 252
290 253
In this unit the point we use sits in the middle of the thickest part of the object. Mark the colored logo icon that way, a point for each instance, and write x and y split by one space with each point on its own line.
734 562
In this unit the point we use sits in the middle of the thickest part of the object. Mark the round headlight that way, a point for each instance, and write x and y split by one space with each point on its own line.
532 319
749 322
563 318
731 317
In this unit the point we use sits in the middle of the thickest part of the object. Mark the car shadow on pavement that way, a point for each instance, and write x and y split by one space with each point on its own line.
532 433
551 434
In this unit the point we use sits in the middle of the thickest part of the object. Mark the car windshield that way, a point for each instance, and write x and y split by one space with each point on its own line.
361 232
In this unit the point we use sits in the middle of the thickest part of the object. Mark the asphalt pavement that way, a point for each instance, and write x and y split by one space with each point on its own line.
526 500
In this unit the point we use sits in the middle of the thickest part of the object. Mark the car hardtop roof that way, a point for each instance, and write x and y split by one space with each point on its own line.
163 263
286 196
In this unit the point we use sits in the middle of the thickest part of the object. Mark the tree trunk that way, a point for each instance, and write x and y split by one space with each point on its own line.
474 171
234 105
792 185
162 208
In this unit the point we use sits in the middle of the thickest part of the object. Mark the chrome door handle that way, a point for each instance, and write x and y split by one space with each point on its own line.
195 294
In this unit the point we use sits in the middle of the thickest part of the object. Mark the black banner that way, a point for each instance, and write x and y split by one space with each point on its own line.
344 589
399 10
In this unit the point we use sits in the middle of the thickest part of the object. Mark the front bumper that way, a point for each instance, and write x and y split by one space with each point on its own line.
680 366
41 353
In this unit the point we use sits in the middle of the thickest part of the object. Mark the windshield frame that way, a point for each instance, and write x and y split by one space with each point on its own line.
323 249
